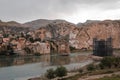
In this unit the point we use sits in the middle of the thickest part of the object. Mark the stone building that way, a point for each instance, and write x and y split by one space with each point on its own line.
102 47
18 46
63 47
41 47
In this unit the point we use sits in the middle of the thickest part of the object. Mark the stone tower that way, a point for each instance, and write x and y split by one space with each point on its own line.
102 47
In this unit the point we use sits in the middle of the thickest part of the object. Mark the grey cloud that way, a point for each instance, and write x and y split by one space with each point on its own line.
103 4
89 1
23 10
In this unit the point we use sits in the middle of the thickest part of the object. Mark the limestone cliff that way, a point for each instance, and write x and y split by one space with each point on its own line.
101 30
81 36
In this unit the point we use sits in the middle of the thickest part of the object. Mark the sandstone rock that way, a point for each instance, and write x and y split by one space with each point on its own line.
82 36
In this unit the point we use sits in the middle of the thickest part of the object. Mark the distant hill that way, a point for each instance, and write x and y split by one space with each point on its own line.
10 23
87 22
42 23
13 26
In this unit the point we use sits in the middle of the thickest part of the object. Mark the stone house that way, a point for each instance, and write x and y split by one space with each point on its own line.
63 47
41 47
18 46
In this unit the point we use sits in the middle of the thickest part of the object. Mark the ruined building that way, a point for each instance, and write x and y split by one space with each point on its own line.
102 47
63 47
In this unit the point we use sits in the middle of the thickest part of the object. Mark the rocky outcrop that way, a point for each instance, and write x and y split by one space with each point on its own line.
36 24
81 36
100 30
55 31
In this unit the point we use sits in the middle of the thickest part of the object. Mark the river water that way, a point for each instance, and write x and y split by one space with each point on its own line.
21 68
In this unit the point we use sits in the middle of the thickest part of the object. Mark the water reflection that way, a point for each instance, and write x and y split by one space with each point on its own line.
45 60
60 60
6 61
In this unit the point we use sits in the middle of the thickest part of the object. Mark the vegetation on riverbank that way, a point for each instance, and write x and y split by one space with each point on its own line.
113 77
58 72
107 65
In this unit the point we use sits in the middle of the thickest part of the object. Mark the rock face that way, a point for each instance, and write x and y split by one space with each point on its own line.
55 31
81 36
100 30
36 24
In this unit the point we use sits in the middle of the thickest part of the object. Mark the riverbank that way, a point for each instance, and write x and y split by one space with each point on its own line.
71 67
95 77
25 70
86 76
106 67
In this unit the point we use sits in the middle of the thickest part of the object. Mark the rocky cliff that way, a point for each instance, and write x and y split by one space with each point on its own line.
100 30
81 36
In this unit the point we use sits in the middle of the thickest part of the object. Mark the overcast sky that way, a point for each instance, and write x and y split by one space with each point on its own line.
71 10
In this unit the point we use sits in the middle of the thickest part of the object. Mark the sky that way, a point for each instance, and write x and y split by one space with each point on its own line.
71 10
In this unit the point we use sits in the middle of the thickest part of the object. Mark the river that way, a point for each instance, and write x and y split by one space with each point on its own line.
21 68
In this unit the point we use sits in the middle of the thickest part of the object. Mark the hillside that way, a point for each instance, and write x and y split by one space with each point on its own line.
82 36
41 22
79 36
12 26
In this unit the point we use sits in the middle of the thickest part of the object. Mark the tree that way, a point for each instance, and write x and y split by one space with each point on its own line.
27 50
72 48
107 62
80 70
101 66
31 40
61 71
90 67
50 73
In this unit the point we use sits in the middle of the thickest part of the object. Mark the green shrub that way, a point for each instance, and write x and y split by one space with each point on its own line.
37 54
50 74
109 62
80 70
101 66
27 50
115 77
72 48
109 71
61 71
90 67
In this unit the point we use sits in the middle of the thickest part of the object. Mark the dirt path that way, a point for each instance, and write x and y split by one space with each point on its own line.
97 76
